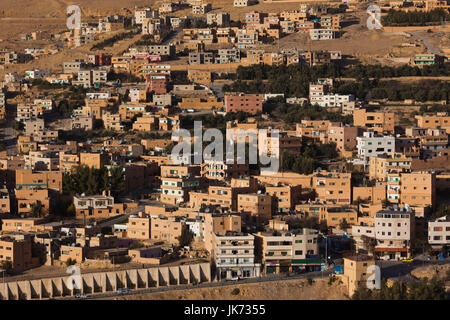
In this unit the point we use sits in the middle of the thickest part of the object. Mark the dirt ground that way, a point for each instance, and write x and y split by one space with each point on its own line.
369 46
430 271
280 290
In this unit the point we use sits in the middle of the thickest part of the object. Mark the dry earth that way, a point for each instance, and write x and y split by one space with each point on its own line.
280 290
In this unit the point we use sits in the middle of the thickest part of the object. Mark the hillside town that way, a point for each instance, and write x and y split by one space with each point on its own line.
91 119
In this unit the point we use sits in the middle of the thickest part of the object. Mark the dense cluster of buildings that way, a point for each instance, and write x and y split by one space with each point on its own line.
381 193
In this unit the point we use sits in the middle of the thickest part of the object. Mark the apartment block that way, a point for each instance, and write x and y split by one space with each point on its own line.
258 206
374 145
427 59
96 207
439 232
224 223
438 120
201 58
201 8
332 187
380 167
413 188
166 229
244 102
94 160
220 170
91 78
288 251
228 56
285 197
343 136
219 19
377 121
18 250
82 123
394 232
139 227
321 34
234 256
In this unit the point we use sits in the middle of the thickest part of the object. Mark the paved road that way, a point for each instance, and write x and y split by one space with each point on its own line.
271 278
401 270
423 38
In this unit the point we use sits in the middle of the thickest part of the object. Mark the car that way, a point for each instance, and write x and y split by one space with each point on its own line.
80 296
123 291
408 260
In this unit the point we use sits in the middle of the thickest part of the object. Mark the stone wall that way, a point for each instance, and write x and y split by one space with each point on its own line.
102 282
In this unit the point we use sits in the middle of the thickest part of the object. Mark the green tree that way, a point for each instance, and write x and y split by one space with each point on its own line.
344 225
186 236
36 210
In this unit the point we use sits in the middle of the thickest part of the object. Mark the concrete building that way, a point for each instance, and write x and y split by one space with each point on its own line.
94 160
332 187
381 166
285 197
18 250
321 34
96 207
234 256
412 188
228 56
357 270
112 121
199 76
250 103
394 232
374 145
287 251
201 8
138 227
166 229
343 136
91 78
82 122
219 19
439 232
258 206
431 121
377 121
201 58
220 170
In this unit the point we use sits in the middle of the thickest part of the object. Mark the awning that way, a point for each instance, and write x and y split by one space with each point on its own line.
391 249
308 261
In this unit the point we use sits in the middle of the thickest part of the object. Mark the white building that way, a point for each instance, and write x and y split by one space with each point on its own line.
394 232
140 15
234 256
439 232
321 34
98 95
374 145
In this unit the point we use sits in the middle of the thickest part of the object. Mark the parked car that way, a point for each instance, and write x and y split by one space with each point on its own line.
80 296
123 291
